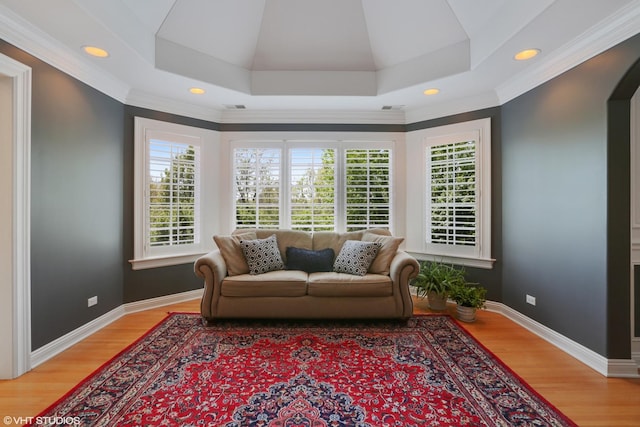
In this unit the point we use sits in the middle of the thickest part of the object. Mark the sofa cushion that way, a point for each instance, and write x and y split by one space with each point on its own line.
382 263
281 283
309 260
231 252
285 238
342 285
355 257
262 255
330 239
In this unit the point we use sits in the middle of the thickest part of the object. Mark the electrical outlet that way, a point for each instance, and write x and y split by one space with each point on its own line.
92 301
531 300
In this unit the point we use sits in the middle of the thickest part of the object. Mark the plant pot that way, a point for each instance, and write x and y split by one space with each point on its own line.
466 314
437 302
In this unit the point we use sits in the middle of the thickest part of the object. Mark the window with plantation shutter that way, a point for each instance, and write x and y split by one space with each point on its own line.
367 188
313 193
169 181
257 187
312 185
453 193
457 193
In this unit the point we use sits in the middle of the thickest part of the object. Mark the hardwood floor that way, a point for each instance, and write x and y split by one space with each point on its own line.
584 395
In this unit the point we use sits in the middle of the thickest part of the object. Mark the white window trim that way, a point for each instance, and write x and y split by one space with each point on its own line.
417 207
206 139
339 140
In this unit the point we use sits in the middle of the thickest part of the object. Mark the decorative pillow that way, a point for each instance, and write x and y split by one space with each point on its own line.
390 244
308 260
262 255
232 252
355 257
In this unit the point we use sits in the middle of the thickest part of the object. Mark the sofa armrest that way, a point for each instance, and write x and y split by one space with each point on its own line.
212 268
404 267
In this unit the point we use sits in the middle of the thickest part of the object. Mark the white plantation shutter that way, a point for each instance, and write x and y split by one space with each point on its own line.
312 189
367 188
453 193
257 187
172 202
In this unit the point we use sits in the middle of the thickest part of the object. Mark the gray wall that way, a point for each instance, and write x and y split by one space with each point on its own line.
77 181
565 214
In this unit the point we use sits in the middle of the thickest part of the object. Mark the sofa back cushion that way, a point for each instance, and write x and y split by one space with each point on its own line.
285 238
388 249
232 252
330 239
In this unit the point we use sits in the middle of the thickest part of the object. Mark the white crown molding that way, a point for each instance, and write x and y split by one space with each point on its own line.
311 116
22 34
168 105
625 23
457 106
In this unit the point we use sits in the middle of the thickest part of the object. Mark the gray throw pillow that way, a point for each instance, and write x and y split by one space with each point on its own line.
262 255
355 257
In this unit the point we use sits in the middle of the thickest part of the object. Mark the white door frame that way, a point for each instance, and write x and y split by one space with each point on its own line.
19 350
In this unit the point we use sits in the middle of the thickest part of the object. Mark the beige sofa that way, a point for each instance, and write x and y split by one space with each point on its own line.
230 291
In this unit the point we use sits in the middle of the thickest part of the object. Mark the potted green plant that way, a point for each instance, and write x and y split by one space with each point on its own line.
435 282
469 297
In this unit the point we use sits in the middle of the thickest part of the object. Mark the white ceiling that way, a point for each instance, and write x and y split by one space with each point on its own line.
306 57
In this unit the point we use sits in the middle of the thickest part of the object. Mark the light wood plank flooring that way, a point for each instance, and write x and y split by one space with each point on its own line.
584 395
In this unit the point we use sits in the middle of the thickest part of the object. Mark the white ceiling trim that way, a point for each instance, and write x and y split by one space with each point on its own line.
22 34
606 34
456 106
153 102
315 117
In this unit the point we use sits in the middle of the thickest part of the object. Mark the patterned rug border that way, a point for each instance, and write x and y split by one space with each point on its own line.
506 367
310 323
112 359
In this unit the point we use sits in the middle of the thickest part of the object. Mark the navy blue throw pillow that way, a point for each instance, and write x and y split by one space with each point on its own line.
308 260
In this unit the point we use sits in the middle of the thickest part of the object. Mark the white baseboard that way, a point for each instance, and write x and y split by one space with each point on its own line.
620 368
59 345
147 304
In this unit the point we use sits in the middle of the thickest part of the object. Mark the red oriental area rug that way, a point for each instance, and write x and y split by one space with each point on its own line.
427 372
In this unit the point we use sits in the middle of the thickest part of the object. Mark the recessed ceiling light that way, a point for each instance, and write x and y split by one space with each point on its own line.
196 90
432 91
523 55
95 51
